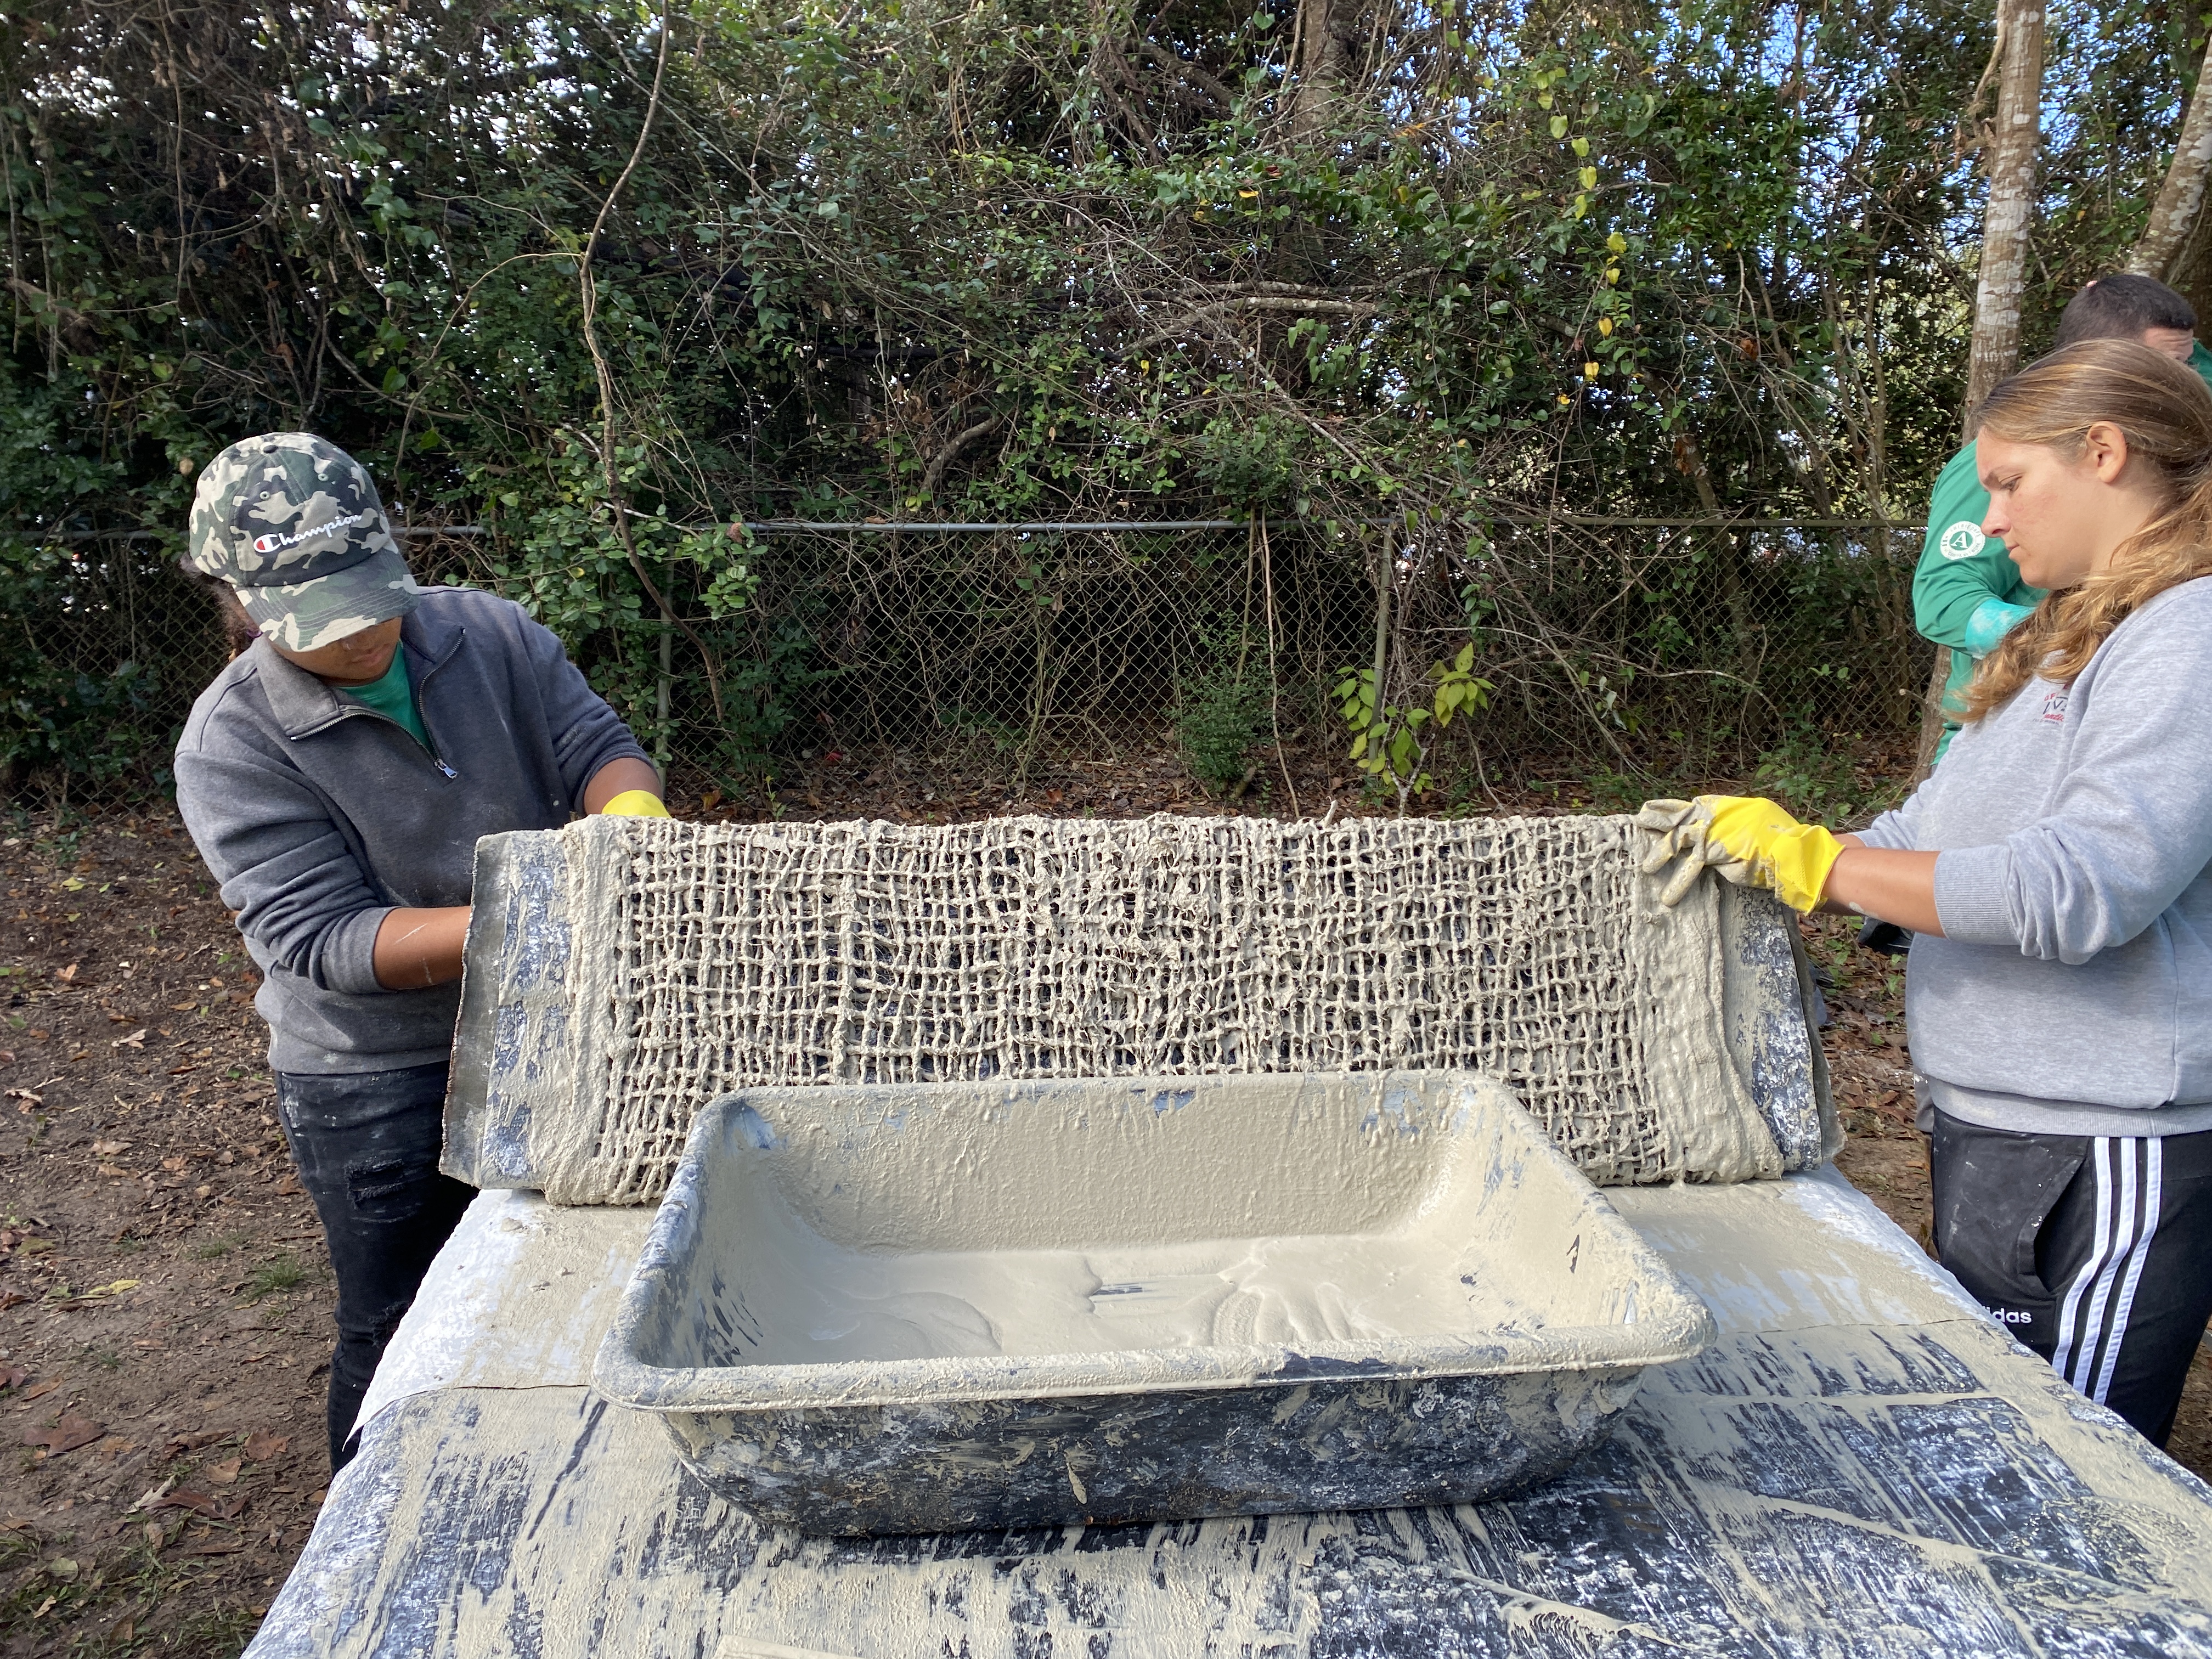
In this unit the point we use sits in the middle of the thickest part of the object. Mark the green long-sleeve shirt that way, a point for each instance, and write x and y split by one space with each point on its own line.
1961 570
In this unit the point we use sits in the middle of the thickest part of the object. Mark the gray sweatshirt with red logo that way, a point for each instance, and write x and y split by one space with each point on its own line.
2071 992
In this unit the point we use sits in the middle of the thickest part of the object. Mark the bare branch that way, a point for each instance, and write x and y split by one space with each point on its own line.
962 441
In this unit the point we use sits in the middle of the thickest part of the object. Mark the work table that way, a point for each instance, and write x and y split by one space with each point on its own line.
1862 1464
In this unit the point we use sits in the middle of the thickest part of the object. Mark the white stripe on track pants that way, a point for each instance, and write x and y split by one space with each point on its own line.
2095 1251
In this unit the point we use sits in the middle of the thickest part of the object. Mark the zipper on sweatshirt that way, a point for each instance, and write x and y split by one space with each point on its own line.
361 711
348 710
422 713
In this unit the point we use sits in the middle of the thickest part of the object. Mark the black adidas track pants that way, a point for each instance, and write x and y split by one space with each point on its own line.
2095 1251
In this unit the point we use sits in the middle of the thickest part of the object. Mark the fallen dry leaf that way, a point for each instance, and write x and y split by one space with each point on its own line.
40 1390
261 1445
185 1498
14 1376
110 1148
223 1474
152 1497
136 1039
214 1546
67 975
65 1436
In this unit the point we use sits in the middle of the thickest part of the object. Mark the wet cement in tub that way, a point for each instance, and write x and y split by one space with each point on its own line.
1281 1213
1299 1291
932 1308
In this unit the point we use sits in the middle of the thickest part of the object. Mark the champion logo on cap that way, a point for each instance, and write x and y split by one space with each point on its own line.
277 541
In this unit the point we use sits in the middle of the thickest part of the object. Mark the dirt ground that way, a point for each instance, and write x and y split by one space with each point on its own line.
165 1301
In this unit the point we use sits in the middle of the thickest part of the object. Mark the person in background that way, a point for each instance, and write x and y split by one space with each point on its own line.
1967 593
2054 870
336 777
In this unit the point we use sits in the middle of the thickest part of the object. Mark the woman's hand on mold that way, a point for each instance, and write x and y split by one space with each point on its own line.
1748 840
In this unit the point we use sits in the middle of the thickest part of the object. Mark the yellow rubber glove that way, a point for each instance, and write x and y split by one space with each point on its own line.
1748 840
635 804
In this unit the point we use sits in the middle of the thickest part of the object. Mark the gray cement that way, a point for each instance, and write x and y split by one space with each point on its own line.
623 972
910 1307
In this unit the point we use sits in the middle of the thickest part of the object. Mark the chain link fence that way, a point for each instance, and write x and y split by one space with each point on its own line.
1624 648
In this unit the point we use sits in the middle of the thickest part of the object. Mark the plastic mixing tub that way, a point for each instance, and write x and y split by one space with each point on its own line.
924 1308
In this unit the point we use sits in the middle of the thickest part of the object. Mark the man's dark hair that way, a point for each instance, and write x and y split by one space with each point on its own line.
2122 306
239 630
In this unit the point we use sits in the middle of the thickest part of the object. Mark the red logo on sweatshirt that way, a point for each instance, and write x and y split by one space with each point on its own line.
2054 706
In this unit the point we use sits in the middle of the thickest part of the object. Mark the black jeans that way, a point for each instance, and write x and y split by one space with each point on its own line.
366 1146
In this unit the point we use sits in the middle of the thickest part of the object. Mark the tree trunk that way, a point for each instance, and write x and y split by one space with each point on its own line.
2012 201
1320 66
2191 272
1996 350
2180 201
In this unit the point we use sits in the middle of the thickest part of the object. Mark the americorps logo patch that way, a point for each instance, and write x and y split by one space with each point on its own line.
277 541
1963 540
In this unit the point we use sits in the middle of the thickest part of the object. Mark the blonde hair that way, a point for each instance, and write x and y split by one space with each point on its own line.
2165 413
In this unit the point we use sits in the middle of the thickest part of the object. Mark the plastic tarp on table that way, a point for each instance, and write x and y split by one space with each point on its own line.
1861 1465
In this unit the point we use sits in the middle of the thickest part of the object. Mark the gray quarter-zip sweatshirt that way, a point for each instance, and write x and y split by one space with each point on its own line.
2071 993
318 814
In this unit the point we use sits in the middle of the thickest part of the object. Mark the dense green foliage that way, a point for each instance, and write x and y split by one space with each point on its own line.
994 261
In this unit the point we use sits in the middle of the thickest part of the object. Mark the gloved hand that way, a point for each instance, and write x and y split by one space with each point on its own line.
635 804
1749 840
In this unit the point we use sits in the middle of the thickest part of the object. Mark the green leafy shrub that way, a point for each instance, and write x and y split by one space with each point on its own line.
1217 721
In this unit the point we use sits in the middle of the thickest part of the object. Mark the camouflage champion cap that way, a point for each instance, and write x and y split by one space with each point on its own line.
294 523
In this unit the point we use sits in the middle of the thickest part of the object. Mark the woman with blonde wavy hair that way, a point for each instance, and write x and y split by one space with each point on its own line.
2053 871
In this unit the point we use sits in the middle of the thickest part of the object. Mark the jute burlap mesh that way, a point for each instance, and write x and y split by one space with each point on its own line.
707 958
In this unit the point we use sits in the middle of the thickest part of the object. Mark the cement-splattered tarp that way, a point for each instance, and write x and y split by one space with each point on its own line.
1863 1465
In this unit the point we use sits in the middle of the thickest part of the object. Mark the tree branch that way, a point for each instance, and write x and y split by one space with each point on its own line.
616 500
1184 69
934 475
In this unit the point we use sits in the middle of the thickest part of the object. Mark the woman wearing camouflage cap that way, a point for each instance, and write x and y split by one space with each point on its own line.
336 777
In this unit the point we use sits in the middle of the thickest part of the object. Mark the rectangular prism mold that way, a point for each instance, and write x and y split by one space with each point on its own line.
622 972
892 1308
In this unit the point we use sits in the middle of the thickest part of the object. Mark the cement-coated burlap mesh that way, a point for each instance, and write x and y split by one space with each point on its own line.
646 967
